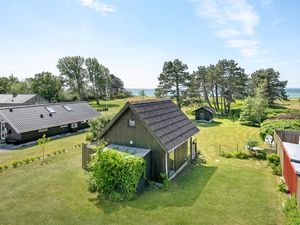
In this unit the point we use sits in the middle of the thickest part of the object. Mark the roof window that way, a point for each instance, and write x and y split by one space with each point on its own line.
50 109
67 107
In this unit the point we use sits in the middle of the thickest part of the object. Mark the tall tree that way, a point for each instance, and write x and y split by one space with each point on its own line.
47 85
97 75
115 86
4 85
73 73
274 88
173 80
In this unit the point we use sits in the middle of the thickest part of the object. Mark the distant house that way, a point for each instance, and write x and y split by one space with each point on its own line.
27 123
204 113
20 99
160 126
287 146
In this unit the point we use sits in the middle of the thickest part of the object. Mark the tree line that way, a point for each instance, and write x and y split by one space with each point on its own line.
218 85
79 79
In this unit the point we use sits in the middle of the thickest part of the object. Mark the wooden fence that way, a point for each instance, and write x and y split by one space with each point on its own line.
87 151
289 136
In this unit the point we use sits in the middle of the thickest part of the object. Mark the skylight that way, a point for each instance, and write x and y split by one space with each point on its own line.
50 109
67 107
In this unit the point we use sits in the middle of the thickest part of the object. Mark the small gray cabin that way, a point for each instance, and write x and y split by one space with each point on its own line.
204 113
21 99
21 124
160 126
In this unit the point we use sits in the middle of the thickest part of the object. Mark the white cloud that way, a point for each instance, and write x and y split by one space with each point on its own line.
100 7
234 21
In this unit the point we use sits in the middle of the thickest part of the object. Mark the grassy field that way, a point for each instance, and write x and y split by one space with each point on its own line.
7 157
224 191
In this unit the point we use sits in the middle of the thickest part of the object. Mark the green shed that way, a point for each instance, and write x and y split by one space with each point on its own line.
204 113
158 125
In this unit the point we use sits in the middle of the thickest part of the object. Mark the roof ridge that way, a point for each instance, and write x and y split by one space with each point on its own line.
40 105
149 100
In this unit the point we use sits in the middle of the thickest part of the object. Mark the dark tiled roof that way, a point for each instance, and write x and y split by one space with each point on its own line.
207 108
18 99
28 118
167 122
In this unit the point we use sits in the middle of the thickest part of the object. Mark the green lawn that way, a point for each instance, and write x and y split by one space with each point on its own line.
7 157
224 191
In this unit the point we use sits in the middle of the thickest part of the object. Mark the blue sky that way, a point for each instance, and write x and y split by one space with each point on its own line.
134 38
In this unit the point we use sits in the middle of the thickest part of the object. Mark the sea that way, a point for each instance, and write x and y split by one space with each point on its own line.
291 92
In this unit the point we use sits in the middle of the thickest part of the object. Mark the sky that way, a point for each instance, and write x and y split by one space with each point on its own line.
133 38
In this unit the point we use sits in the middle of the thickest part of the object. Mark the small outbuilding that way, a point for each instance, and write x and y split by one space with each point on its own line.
160 126
21 124
204 113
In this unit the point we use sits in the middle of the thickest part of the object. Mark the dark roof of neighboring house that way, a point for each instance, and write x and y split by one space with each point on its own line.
211 110
28 118
15 99
167 123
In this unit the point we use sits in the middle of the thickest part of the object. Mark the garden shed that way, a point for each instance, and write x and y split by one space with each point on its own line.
158 125
204 113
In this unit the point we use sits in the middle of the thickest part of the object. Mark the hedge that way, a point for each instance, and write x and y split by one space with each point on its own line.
269 126
115 175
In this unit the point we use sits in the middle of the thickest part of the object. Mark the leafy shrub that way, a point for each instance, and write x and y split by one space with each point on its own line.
48 155
1 168
241 155
226 154
273 159
5 166
291 211
251 142
282 187
54 152
262 154
96 127
26 161
274 163
15 164
269 126
32 159
165 182
115 175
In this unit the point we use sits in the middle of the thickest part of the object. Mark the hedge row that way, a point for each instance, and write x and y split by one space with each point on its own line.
18 163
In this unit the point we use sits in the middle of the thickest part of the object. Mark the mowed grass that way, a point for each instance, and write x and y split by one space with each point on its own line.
224 191
7 157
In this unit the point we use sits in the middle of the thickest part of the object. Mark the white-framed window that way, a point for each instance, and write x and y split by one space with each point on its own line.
74 125
67 107
64 126
131 122
43 130
50 109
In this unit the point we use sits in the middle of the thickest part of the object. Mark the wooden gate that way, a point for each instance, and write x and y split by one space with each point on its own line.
86 155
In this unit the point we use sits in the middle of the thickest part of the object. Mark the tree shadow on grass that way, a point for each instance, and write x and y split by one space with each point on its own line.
183 192
206 124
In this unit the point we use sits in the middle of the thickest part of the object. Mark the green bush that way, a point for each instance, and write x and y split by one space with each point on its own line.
32 159
15 164
26 161
165 182
226 154
241 155
282 187
291 211
269 126
251 142
1 168
260 154
273 159
96 127
5 166
115 175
